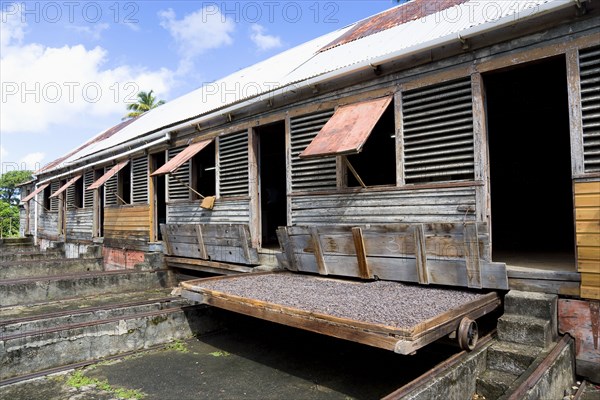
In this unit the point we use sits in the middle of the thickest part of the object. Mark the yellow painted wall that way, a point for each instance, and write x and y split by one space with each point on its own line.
587 221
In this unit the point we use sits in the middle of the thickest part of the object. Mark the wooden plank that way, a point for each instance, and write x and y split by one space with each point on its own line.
588 253
588 239
587 200
588 227
587 188
566 288
575 117
399 138
199 265
590 279
587 214
288 250
361 256
318 251
421 255
480 140
165 238
590 292
472 256
591 266
201 245
253 188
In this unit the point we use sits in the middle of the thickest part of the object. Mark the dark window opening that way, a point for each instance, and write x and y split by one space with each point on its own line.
203 172
272 171
530 165
99 228
47 194
124 182
160 197
78 193
376 163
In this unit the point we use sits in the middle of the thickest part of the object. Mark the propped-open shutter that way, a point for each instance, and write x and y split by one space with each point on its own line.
110 190
178 191
310 174
88 195
54 186
438 132
233 164
589 70
140 180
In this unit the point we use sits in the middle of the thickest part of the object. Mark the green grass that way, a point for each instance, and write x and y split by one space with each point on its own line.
78 380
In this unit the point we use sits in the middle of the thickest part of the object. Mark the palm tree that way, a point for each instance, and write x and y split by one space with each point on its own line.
144 103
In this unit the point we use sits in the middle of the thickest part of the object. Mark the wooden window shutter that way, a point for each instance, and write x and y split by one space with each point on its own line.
88 195
139 180
233 165
54 186
110 189
589 71
177 179
310 174
438 132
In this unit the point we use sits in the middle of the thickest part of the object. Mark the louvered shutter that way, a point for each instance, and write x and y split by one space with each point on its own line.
88 195
233 164
310 174
139 180
54 186
589 66
110 189
438 132
178 191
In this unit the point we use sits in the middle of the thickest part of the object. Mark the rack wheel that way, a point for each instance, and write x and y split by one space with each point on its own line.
467 334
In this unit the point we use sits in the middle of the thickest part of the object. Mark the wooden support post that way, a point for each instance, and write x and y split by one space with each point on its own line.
361 255
472 255
314 234
164 229
245 242
288 249
575 115
201 246
421 255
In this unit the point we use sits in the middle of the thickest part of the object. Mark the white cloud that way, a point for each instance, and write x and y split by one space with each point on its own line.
43 87
199 31
32 161
12 29
94 31
3 152
263 41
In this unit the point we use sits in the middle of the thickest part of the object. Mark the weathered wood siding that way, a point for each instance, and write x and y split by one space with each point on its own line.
587 214
385 207
79 224
48 225
224 212
127 227
211 242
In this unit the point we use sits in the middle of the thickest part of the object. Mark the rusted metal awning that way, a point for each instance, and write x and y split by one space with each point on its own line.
34 193
348 130
65 186
173 164
113 171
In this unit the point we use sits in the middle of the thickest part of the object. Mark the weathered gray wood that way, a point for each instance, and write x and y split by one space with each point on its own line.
421 255
225 211
201 245
288 250
253 178
575 114
472 256
399 139
206 266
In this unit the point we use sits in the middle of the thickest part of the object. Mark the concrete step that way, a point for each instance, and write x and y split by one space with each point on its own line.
52 288
31 325
16 241
51 254
52 267
64 345
526 330
492 384
18 248
511 357
537 305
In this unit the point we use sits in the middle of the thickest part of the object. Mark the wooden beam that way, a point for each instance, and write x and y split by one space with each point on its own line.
361 255
575 116
472 255
288 249
314 234
205 265
253 188
164 229
201 245
399 140
245 242
421 254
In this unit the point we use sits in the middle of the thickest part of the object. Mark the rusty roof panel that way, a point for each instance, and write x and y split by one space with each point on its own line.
102 180
173 164
348 130
65 186
407 12
35 193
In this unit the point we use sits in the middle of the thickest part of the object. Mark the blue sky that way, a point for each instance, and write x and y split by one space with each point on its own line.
67 68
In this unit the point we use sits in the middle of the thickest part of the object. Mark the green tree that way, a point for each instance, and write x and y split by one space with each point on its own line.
145 102
9 192
9 219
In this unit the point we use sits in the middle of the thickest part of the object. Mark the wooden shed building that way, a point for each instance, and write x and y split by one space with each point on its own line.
452 142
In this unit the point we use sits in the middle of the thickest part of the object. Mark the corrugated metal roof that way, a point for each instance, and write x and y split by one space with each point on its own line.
305 62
